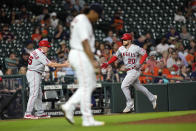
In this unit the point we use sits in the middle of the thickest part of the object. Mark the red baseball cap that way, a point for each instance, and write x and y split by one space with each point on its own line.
127 36
44 43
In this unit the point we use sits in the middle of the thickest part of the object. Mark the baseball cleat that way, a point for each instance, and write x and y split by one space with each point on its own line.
30 117
154 102
128 109
69 114
43 116
93 123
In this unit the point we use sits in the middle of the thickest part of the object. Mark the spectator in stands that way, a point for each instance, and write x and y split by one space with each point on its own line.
4 17
179 17
45 23
149 39
23 13
97 45
191 10
22 70
23 62
61 57
68 6
41 2
44 34
182 53
60 34
78 4
63 48
140 41
193 76
172 60
185 35
100 50
172 34
54 20
184 73
12 62
36 36
14 18
159 79
116 40
44 13
152 63
164 58
109 37
162 46
193 45
9 72
6 34
114 48
149 43
190 56
29 47
117 23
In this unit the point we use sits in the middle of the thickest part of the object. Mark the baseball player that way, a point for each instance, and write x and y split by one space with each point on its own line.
81 58
130 55
36 64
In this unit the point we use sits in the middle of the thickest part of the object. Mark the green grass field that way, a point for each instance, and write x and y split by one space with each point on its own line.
112 123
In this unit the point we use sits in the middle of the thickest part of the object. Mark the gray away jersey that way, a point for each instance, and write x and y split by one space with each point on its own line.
131 55
37 61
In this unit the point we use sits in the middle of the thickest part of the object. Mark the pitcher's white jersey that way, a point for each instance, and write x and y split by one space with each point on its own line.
130 56
81 29
37 61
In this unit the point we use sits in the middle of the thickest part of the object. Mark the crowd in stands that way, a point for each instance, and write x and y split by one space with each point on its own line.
172 58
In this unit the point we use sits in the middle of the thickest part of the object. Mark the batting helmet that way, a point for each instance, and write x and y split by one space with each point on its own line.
44 43
127 36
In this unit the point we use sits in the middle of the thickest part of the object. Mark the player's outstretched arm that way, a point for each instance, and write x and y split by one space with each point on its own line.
143 58
53 64
113 59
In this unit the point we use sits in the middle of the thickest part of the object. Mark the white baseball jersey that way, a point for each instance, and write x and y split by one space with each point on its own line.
130 56
37 61
81 29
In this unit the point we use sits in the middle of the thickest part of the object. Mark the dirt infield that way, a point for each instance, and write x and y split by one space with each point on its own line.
189 118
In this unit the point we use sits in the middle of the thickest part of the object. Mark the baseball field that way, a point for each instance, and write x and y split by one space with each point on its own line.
159 121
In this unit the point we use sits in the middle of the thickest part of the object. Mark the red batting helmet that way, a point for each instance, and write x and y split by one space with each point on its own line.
44 43
127 36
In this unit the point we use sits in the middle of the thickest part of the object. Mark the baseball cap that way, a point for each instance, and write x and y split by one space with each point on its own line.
62 42
53 14
44 43
127 36
97 8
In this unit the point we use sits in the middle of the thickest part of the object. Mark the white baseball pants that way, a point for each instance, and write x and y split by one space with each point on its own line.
132 79
35 95
86 80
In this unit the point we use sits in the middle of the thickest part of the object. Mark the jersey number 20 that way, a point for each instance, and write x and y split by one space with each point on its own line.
131 61
30 60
